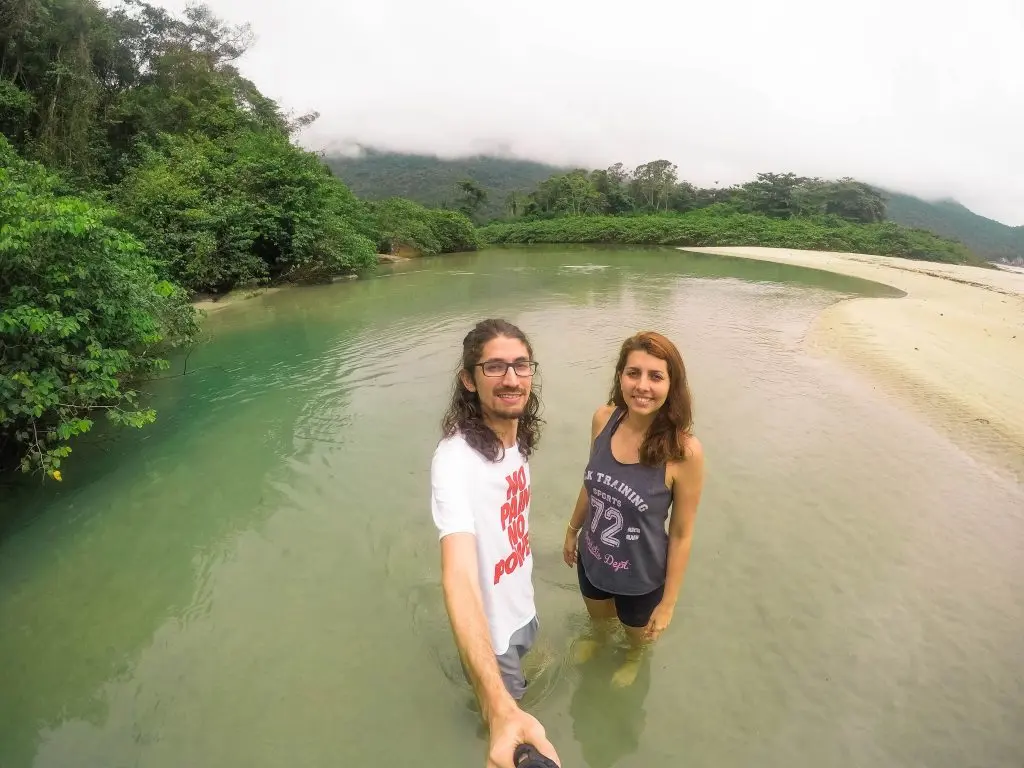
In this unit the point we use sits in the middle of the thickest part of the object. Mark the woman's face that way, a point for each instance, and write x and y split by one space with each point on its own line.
644 383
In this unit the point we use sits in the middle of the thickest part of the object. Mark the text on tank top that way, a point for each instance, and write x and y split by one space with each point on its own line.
624 542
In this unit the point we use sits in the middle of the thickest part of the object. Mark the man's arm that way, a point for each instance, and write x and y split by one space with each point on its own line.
453 515
508 726
462 599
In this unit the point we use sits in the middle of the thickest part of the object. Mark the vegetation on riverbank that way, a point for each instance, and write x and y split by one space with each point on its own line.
138 167
713 227
506 184
649 205
82 314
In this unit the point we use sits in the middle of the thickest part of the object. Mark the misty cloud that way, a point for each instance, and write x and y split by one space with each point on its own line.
922 96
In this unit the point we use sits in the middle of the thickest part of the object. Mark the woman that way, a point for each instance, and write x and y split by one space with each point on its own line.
644 463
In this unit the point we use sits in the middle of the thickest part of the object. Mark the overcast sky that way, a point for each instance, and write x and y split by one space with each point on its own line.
921 95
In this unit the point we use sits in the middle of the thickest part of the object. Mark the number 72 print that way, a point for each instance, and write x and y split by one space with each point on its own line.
608 535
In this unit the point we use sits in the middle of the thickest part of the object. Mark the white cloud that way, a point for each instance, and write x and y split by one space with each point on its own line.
921 95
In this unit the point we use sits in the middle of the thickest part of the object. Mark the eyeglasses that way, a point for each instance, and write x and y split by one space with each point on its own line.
498 368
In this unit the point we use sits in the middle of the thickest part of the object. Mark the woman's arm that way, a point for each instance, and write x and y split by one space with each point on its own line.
687 485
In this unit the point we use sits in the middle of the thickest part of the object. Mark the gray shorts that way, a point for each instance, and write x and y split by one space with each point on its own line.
510 663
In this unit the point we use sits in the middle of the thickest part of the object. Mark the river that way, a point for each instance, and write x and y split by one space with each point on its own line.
253 580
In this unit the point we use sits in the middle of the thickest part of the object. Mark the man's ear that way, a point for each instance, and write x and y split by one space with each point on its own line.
467 380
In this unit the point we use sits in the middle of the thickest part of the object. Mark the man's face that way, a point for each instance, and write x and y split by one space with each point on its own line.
503 396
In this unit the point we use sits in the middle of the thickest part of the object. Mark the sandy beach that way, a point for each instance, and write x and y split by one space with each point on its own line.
953 347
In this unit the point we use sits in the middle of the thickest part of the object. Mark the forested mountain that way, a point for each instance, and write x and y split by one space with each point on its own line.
990 239
435 182
376 175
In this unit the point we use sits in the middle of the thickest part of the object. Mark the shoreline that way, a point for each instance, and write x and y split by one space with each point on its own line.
952 347
209 303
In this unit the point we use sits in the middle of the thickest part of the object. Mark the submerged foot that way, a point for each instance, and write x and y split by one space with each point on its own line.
584 651
626 674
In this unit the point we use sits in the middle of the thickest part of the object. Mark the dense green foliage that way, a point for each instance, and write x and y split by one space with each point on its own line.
989 239
431 181
138 167
718 226
655 187
508 183
82 311
148 111
405 224
650 205
243 206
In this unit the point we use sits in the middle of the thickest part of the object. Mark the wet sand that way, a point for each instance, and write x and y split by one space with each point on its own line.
210 305
953 347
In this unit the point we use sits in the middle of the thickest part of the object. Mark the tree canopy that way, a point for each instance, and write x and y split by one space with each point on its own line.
138 167
655 187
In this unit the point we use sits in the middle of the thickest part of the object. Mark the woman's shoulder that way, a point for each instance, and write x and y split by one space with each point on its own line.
693 448
600 418
693 452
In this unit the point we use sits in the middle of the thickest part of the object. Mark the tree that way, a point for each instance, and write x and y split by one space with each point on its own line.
513 203
652 183
83 316
244 206
473 196
682 197
772 194
855 201
612 184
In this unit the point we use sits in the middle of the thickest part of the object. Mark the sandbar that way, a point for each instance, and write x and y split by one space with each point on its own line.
952 347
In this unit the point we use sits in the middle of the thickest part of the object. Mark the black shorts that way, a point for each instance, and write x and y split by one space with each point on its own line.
632 610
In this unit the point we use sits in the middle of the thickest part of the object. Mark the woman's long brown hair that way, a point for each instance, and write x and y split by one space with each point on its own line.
666 438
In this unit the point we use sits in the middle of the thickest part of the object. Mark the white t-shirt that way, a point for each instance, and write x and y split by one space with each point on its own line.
491 500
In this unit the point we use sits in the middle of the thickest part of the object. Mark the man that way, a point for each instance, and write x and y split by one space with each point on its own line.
480 502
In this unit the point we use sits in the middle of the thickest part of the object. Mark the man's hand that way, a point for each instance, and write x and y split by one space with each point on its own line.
511 727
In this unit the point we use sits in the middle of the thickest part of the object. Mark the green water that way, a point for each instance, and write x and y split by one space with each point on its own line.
253 580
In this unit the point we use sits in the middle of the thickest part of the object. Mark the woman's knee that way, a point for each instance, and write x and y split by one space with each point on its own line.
600 610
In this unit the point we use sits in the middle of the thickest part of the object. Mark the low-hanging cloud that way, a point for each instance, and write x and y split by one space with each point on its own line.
925 96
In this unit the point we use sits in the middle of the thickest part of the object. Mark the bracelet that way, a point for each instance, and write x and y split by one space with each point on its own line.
575 529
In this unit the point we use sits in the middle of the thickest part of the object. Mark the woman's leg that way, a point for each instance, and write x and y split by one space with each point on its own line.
634 613
627 671
601 609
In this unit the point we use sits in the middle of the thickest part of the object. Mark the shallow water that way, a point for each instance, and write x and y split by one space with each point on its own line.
252 581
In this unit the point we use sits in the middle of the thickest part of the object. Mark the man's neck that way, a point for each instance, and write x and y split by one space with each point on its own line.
506 429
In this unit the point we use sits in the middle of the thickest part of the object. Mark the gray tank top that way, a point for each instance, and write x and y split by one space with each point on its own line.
624 542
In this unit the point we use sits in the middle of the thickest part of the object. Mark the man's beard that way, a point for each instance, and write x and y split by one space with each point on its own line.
510 412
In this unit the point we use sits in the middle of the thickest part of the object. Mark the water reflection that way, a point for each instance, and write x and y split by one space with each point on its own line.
608 720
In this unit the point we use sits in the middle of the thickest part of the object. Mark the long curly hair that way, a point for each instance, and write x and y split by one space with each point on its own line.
465 415
666 438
